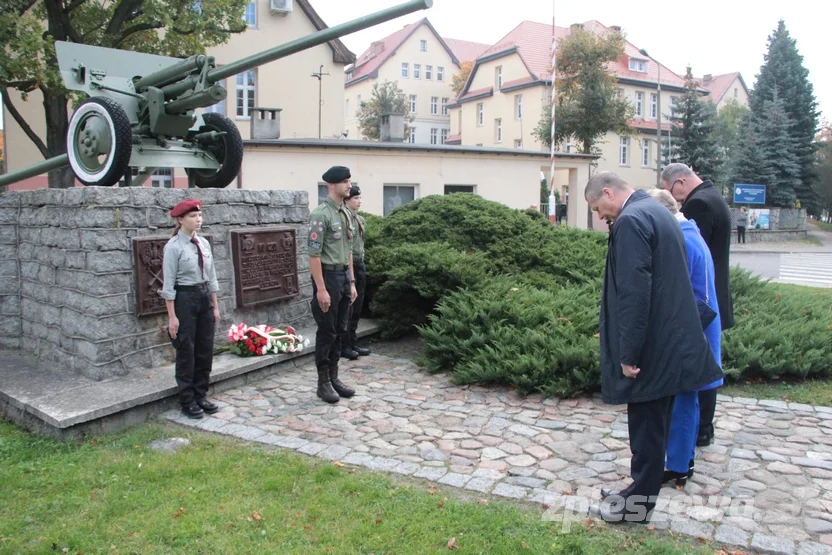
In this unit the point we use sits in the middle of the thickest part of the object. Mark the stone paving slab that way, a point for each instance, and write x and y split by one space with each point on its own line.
766 483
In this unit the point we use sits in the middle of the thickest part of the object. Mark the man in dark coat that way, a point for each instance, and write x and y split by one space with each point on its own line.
652 344
702 203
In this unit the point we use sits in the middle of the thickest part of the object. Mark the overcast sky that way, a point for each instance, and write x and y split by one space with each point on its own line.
712 36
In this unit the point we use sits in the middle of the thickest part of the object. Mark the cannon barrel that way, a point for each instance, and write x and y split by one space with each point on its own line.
297 45
170 74
37 169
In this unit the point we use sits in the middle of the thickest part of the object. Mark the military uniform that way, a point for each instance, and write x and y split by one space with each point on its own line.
360 271
330 239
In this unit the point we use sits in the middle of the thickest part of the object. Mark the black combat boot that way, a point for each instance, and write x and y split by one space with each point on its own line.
325 390
347 350
337 384
362 351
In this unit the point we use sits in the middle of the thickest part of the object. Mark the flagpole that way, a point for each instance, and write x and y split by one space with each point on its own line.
552 199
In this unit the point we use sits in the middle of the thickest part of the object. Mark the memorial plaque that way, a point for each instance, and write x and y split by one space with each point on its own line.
265 265
148 255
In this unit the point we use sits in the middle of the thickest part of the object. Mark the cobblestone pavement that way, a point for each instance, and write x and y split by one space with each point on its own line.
766 484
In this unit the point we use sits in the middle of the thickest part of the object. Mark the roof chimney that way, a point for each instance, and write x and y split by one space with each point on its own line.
575 26
616 28
377 47
709 77
392 128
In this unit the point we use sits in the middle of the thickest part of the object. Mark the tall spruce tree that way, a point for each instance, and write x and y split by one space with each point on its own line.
750 159
694 121
783 72
781 153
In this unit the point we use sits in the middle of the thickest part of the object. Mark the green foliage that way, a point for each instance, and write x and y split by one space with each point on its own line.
506 331
727 135
783 74
694 142
780 331
386 98
588 104
823 185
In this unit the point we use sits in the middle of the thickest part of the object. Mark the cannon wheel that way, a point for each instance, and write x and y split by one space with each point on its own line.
99 142
228 151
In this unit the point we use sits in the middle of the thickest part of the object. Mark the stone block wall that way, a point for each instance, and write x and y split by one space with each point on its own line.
780 219
67 285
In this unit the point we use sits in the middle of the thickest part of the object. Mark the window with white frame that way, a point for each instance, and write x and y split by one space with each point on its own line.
518 106
653 105
245 93
428 72
323 193
736 92
451 189
405 69
434 105
162 178
674 104
569 146
440 73
518 143
219 107
480 114
444 106
357 103
395 195
498 130
498 77
417 71
623 151
639 66
423 46
434 135
444 136
639 104
412 137
412 103
250 15
349 75
645 153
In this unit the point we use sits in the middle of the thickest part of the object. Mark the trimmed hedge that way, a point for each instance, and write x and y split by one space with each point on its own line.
502 296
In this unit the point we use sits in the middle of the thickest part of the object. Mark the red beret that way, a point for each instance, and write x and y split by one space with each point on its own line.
188 205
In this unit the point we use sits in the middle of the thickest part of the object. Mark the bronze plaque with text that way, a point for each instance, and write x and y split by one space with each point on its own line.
265 265
148 255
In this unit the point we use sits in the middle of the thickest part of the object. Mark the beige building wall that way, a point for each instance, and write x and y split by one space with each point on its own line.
285 83
509 177
736 91
424 89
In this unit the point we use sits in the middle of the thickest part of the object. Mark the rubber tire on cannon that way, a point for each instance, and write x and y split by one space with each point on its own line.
99 127
228 151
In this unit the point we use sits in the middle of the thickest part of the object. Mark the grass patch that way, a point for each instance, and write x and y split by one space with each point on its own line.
114 495
823 226
811 392
814 241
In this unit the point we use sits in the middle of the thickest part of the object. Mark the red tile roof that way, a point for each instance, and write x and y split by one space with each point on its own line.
477 92
466 51
718 85
454 139
380 51
533 42
649 124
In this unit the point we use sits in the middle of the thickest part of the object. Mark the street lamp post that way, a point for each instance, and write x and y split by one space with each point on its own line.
658 120
320 74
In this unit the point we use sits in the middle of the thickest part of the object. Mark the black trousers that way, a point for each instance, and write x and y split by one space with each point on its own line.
332 324
707 408
355 309
740 234
649 426
194 344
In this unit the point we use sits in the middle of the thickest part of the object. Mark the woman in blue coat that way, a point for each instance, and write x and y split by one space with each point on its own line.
684 424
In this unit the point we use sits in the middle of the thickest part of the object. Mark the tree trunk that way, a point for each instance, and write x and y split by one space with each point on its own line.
54 106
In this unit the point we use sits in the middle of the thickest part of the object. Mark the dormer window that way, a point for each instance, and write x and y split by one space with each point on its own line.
637 65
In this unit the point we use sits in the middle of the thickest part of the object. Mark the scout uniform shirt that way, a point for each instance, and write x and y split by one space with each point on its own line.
358 237
330 234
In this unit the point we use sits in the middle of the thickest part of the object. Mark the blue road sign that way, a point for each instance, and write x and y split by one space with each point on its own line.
746 193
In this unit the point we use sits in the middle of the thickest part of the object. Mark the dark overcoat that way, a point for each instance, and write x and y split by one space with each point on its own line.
710 211
649 316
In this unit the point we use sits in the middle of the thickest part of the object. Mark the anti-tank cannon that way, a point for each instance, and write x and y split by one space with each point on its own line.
141 109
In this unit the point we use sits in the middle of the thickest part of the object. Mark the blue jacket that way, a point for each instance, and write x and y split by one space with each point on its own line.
701 268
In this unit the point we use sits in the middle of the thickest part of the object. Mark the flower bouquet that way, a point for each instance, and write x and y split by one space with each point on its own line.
250 341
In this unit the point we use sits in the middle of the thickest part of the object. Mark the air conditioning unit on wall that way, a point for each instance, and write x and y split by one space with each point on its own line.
281 6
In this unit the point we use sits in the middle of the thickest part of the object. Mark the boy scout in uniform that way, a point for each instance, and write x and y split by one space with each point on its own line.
333 281
349 347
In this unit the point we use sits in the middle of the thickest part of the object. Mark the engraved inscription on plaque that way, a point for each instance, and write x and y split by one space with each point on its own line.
265 265
148 255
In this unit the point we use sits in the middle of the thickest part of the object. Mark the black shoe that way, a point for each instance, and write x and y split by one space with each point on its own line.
207 406
325 390
704 440
680 477
192 411
350 353
362 351
621 515
340 388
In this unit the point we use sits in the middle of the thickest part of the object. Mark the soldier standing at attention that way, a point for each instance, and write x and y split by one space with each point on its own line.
190 291
333 281
349 346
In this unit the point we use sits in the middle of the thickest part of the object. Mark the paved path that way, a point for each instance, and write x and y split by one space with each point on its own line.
766 484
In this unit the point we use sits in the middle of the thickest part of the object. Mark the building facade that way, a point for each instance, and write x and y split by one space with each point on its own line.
423 64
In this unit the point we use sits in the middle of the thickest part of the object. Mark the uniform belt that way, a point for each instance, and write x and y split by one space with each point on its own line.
335 268
200 287
357 260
